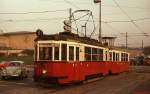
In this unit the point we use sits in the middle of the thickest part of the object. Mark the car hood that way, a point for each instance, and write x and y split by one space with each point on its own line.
13 70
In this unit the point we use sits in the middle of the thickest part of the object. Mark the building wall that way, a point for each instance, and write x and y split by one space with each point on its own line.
18 41
3 41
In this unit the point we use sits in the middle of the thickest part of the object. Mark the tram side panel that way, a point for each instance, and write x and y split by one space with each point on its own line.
72 71
117 63
112 64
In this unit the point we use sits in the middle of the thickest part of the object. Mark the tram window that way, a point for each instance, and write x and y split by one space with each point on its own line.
94 54
117 56
126 58
87 50
41 53
64 51
87 54
56 53
110 56
71 53
100 53
121 56
45 53
77 53
114 55
106 55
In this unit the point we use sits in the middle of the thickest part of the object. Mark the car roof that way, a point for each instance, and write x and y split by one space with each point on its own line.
17 62
3 62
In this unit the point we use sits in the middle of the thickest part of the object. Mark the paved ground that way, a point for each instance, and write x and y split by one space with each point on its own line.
137 81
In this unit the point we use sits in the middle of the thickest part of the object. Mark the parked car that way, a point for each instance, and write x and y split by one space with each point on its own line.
3 64
13 69
147 60
138 60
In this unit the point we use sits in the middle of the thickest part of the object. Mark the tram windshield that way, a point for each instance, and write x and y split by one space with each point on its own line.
48 51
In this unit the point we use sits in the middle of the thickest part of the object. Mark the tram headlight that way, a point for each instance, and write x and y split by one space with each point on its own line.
44 71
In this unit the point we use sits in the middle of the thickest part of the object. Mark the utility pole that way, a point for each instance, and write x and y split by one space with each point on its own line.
100 27
126 40
142 44
70 18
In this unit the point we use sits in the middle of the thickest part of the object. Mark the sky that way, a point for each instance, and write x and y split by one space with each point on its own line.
118 17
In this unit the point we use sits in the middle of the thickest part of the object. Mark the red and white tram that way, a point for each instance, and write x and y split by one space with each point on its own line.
66 58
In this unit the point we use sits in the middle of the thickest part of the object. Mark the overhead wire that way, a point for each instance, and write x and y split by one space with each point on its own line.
111 21
32 20
93 24
34 12
81 17
74 20
110 26
72 4
127 7
132 21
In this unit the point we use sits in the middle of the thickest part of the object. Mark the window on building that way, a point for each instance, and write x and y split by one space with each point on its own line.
64 52
56 53
71 53
87 54
45 53
77 53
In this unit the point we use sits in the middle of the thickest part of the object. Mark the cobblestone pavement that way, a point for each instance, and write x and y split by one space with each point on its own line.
137 81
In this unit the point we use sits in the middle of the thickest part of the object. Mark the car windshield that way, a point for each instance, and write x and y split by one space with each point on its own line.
14 64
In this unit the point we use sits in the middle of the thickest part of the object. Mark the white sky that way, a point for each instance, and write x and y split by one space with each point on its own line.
136 9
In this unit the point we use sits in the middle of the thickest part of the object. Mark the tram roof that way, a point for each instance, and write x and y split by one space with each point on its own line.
67 36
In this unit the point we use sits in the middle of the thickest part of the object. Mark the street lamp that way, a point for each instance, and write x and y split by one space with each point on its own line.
100 36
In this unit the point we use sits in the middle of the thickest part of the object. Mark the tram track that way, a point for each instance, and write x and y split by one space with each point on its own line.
123 83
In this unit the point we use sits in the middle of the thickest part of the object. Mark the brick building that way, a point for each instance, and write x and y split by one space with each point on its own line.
18 40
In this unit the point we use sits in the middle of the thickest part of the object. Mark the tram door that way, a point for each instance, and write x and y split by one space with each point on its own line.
74 58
